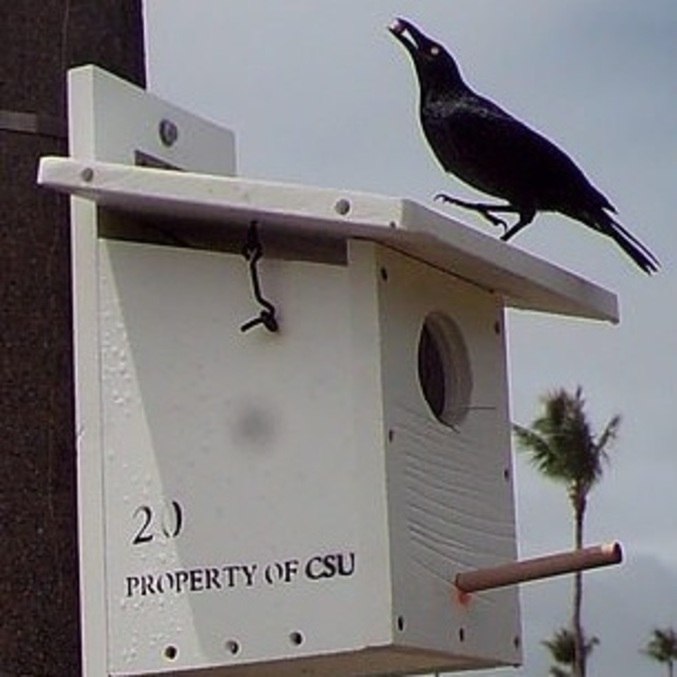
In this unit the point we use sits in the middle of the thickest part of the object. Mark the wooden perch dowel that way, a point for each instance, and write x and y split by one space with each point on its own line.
539 567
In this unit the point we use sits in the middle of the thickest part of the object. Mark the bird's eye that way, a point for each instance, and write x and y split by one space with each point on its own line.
434 50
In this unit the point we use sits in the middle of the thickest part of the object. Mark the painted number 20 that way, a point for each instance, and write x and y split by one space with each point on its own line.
168 526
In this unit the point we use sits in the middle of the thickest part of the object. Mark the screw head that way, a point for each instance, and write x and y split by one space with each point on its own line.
168 132
342 206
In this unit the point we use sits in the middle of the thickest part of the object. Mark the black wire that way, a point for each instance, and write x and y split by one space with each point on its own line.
253 252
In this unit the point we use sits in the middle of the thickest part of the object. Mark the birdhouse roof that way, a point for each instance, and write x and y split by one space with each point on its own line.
524 281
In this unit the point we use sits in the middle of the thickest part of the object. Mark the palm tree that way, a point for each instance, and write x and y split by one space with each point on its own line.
564 448
662 647
562 649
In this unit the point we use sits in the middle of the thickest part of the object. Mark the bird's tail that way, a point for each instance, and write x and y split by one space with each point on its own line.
626 241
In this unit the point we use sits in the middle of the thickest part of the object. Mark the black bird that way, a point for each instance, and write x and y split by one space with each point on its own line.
492 151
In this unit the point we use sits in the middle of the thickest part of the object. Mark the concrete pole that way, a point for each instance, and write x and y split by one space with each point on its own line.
39 606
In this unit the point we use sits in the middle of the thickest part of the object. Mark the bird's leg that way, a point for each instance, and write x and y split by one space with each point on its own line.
526 217
484 209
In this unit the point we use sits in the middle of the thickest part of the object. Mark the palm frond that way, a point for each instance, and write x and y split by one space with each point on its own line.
562 443
662 646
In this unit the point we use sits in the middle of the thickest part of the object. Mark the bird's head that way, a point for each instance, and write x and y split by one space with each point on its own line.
432 61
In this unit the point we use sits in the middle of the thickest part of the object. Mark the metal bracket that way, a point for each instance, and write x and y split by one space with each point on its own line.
31 123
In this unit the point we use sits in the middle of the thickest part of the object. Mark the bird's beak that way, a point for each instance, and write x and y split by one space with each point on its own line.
407 34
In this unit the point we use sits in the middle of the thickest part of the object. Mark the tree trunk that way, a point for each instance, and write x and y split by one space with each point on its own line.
576 623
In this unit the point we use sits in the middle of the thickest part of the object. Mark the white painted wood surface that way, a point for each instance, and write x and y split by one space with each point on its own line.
110 120
252 434
525 281
450 490
284 448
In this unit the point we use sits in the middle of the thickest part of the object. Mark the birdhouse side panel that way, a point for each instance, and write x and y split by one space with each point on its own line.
449 474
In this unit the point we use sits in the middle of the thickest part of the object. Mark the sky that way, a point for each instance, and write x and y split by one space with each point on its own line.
318 92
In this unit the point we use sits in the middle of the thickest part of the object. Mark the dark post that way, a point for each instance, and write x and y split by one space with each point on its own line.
39 609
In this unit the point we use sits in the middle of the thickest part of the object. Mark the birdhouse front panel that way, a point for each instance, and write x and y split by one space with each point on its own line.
449 468
236 500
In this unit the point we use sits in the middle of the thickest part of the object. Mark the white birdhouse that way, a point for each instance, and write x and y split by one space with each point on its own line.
295 498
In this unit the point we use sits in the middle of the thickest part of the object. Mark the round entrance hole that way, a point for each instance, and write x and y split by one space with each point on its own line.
444 372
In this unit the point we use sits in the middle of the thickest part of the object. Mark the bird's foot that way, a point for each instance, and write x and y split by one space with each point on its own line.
484 210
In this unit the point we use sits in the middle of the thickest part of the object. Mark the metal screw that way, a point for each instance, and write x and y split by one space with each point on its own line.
87 174
342 206
168 131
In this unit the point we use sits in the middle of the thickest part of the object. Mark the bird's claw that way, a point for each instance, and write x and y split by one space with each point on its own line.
483 210
494 220
443 197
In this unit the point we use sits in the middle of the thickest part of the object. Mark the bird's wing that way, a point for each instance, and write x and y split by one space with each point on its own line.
491 150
